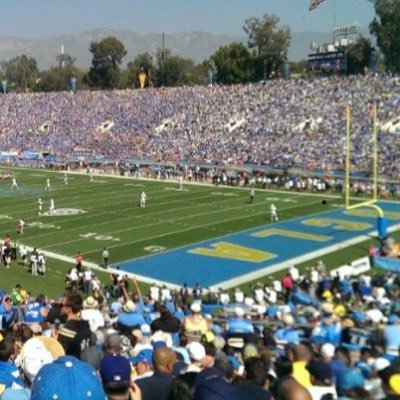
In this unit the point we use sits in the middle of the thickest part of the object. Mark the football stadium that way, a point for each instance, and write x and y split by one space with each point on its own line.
204 239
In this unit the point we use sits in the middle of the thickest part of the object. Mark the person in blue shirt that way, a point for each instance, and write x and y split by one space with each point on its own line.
129 318
391 335
36 312
9 373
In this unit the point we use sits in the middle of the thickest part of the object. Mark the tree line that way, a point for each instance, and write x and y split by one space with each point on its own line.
263 58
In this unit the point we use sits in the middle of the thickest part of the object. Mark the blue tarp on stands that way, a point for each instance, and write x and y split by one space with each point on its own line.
390 264
32 155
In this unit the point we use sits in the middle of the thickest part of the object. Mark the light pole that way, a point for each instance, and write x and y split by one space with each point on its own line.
162 53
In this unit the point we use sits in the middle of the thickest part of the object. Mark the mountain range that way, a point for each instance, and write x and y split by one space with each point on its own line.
197 46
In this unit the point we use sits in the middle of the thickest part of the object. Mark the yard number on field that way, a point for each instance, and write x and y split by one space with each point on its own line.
96 236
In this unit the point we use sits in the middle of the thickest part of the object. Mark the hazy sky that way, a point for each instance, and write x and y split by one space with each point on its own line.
43 18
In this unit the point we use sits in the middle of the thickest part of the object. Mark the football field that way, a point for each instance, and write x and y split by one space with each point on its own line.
201 233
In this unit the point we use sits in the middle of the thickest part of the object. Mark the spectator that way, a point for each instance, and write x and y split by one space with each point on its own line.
158 385
166 322
347 380
115 373
257 380
92 314
195 324
143 364
321 380
302 357
129 318
75 335
9 374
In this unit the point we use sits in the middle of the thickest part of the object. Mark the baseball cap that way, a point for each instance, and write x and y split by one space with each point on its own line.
328 350
195 307
115 370
145 355
36 353
196 351
349 378
65 379
145 329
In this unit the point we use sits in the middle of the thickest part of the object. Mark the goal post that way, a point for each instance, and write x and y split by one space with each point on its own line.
372 202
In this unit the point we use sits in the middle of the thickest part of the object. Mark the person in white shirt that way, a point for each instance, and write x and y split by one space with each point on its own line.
165 294
252 194
51 207
34 263
92 314
23 254
73 278
105 254
270 295
294 273
224 297
40 206
48 186
155 292
314 275
65 178
143 198
277 285
274 213
41 261
180 181
239 296
21 226
14 184
259 293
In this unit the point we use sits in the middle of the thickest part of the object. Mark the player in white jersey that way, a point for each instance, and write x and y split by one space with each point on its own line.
48 187
143 198
274 213
14 184
40 206
252 194
180 181
21 226
51 207
65 178
91 175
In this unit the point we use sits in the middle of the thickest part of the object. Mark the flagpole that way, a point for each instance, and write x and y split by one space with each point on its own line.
334 21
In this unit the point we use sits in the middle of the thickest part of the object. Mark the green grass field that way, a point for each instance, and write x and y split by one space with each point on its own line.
109 215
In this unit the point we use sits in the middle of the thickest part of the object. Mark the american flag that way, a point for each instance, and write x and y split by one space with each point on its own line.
314 4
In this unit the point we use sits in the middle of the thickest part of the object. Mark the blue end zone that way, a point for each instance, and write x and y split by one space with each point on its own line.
221 259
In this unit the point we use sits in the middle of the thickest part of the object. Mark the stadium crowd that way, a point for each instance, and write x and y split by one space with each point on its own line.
307 336
297 123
